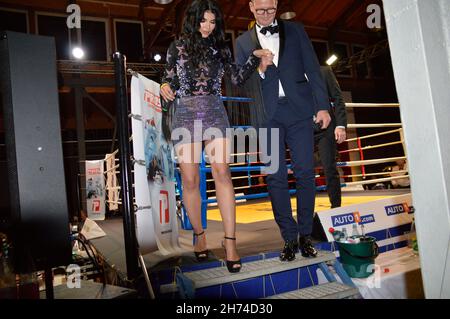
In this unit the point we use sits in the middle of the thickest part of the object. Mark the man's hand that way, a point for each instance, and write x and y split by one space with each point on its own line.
167 93
324 118
340 134
266 57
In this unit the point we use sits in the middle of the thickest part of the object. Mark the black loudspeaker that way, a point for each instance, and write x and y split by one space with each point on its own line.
39 215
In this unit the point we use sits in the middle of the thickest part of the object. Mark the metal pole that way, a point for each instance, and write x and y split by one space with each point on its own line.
48 275
203 193
147 278
129 225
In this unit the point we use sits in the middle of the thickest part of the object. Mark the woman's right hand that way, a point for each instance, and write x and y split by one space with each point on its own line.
167 93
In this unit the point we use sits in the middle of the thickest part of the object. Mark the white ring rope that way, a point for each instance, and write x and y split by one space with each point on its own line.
379 180
371 147
374 125
373 135
372 161
377 105
377 174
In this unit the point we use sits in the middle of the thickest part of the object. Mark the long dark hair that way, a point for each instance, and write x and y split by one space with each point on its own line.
195 45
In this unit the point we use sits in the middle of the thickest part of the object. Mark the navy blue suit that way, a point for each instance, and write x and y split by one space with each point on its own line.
292 115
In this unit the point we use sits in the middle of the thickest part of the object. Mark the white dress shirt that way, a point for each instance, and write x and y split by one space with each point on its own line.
271 42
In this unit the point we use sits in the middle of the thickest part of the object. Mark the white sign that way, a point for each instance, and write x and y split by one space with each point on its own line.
376 215
153 172
95 190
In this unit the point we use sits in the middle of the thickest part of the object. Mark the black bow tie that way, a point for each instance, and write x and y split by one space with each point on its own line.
271 28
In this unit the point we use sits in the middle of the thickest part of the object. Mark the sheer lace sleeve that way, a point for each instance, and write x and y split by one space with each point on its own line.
240 73
170 73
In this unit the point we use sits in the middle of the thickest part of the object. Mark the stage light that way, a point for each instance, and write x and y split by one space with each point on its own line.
332 59
288 12
157 57
78 53
163 1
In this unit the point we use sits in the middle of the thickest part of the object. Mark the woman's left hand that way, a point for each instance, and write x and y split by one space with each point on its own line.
263 53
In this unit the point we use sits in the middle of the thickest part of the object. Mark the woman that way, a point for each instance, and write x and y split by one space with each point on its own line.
195 66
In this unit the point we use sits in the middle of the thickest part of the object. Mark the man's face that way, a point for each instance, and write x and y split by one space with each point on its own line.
264 11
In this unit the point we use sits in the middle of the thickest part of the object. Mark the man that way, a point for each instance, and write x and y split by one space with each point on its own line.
399 170
292 91
335 133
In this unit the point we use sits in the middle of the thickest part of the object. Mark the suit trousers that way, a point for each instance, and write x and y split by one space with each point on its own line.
326 145
298 135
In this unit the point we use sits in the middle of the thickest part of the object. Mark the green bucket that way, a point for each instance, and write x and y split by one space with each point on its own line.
357 258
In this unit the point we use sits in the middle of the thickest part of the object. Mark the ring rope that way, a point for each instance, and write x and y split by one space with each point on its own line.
370 147
373 135
356 105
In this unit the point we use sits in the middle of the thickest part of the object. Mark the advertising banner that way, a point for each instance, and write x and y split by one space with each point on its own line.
153 171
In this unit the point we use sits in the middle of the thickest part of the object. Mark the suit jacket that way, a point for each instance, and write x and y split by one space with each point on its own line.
307 93
335 94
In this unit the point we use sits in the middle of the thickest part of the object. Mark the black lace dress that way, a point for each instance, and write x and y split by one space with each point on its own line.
200 114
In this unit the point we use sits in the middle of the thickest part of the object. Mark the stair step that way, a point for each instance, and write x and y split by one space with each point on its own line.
220 275
331 290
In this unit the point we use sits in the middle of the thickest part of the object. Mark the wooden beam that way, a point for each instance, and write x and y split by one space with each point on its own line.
165 15
179 17
229 11
236 10
355 5
143 18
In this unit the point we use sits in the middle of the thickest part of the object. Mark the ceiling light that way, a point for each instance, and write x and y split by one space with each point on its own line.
332 59
288 12
288 15
157 57
78 53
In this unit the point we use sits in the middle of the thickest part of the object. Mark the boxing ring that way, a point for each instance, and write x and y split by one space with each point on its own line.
253 169
250 189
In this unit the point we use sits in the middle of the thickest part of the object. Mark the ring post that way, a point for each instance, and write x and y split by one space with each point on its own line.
203 188
129 224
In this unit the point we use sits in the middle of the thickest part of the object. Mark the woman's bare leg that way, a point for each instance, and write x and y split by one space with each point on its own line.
188 159
219 155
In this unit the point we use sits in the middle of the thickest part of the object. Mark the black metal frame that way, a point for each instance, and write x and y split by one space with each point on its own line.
129 224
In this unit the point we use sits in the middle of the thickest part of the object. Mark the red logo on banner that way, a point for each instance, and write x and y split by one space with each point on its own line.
153 101
357 217
406 207
164 207
96 205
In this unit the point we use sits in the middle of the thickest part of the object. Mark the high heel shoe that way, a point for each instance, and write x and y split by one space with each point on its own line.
200 255
231 263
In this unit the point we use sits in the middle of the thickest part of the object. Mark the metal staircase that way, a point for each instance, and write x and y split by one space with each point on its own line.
189 283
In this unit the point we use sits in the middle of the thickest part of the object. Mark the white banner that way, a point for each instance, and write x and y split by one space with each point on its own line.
157 226
376 215
112 188
95 190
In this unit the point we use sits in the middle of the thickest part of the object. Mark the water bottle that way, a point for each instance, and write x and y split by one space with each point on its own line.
413 237
344 235
337 235
355 232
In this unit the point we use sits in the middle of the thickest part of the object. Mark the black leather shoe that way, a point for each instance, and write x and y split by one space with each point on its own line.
289 250
306 247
